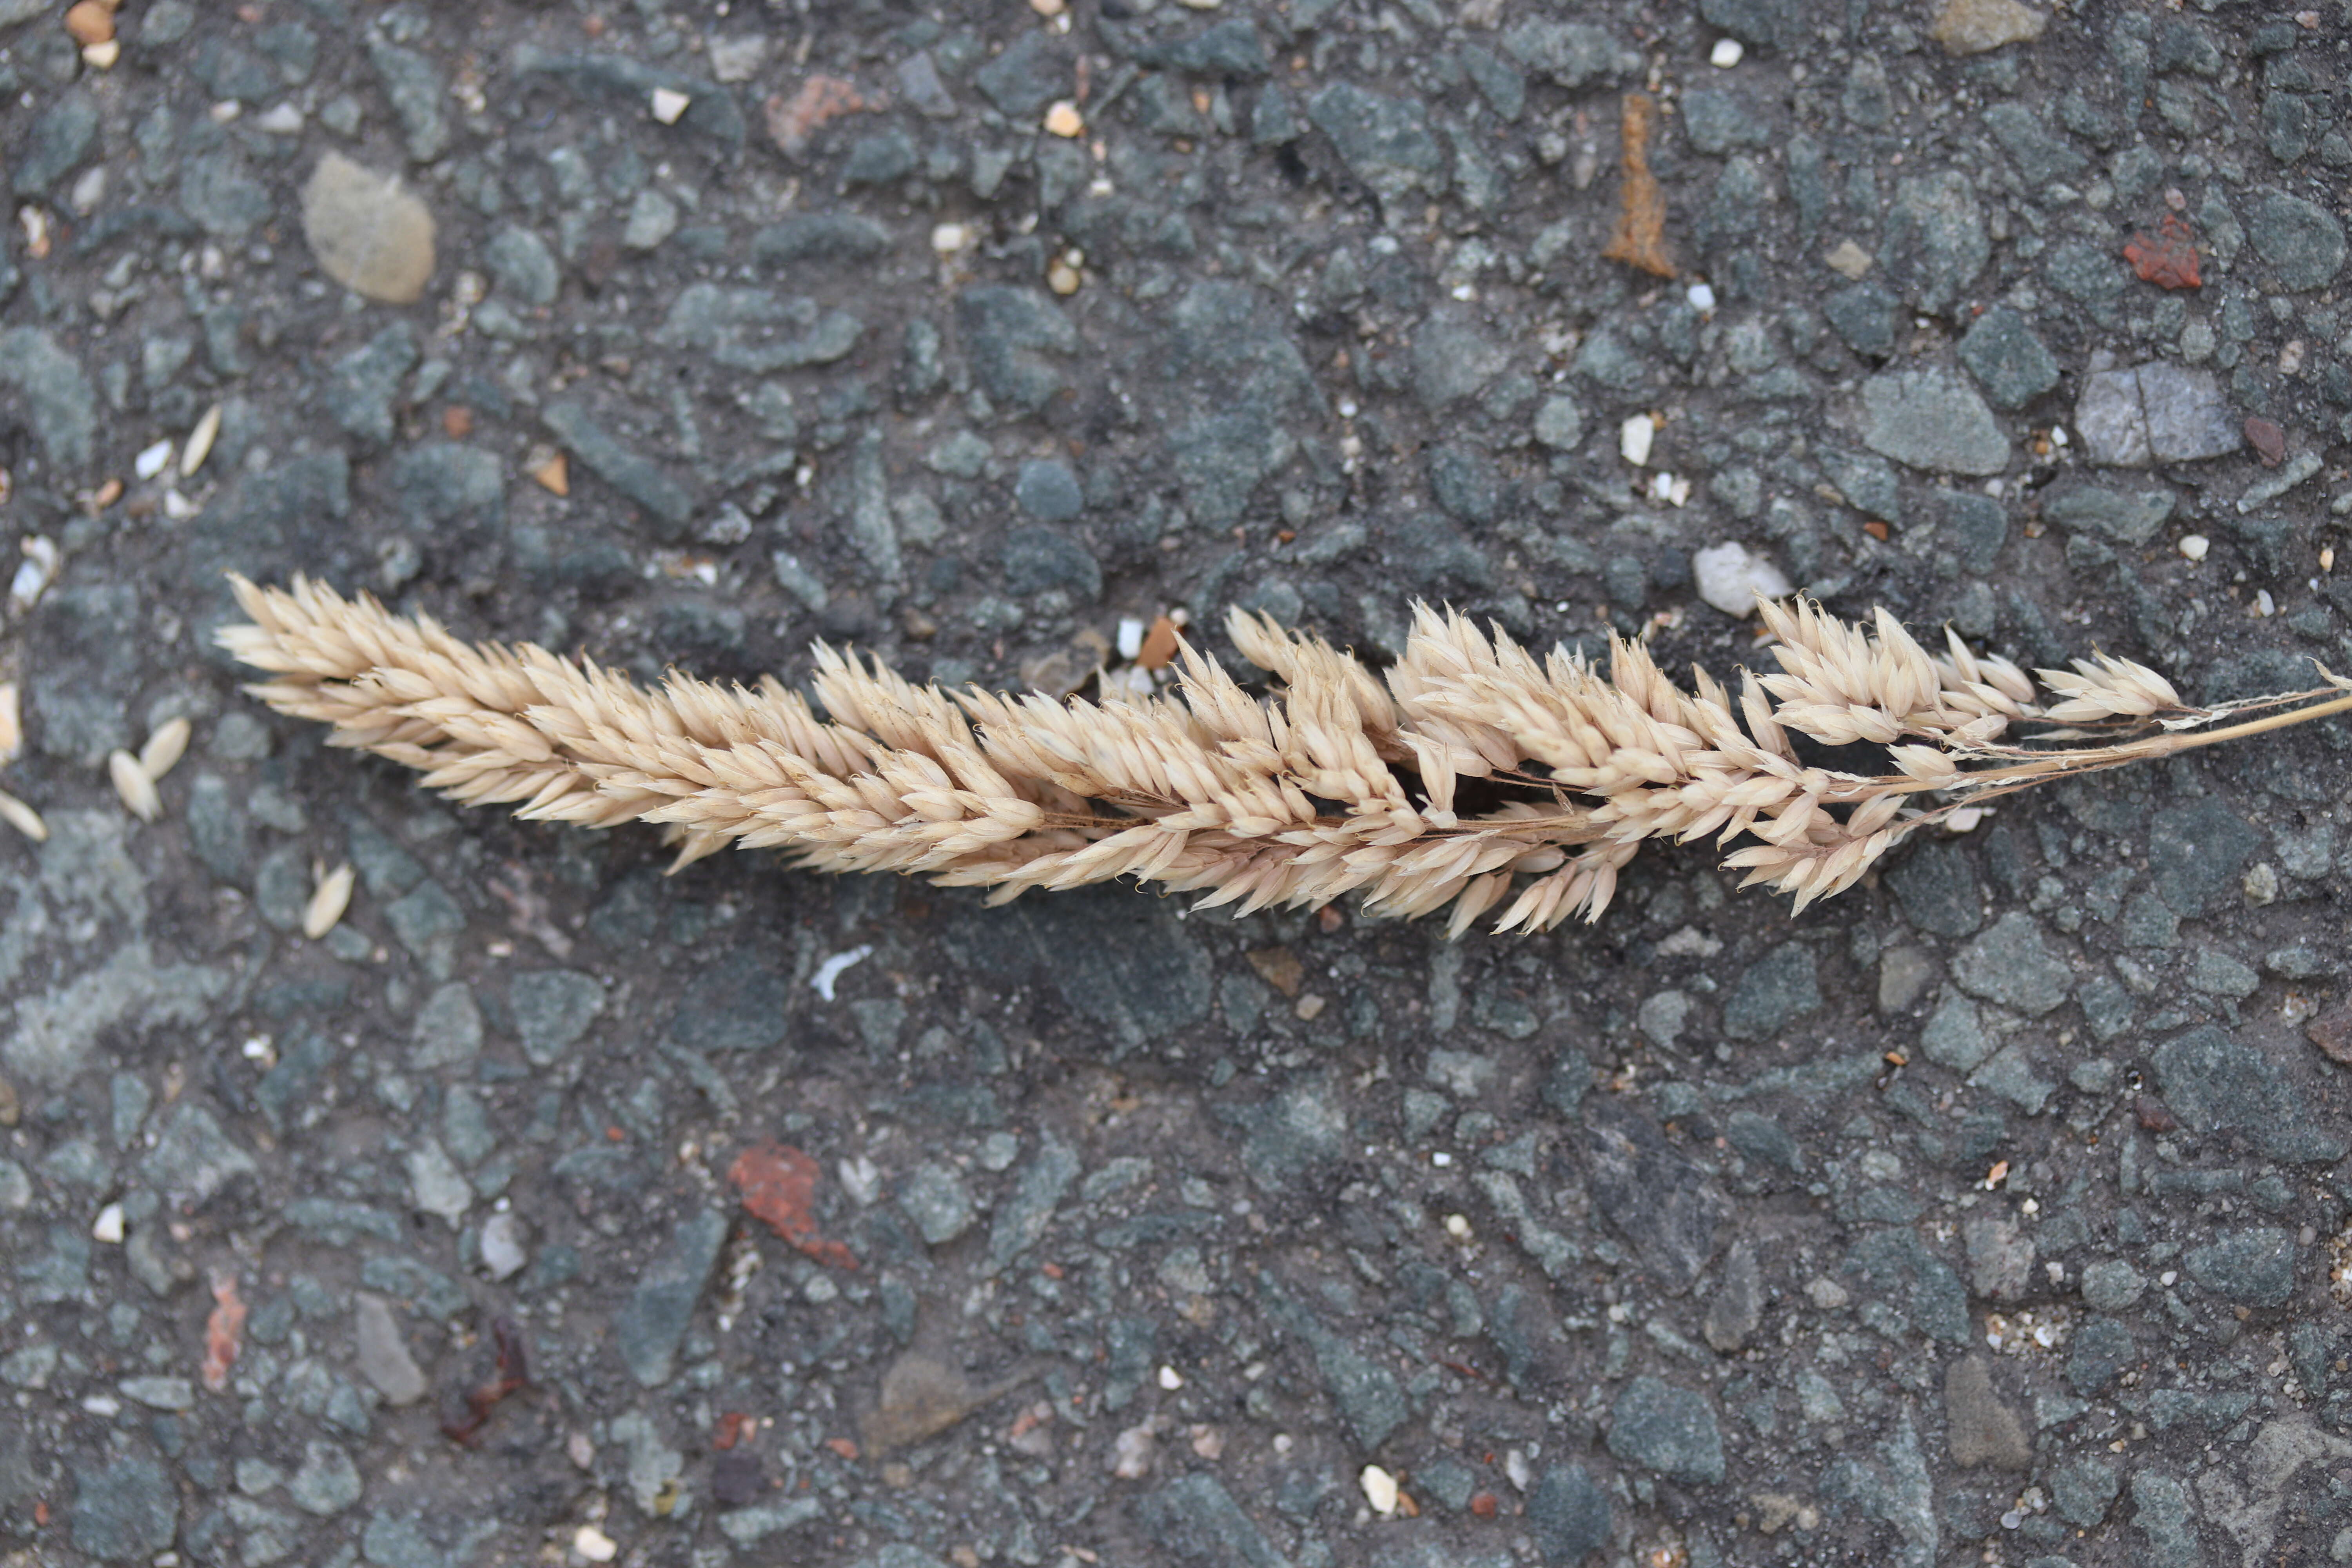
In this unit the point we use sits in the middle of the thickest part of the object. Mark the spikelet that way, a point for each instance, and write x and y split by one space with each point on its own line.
1341 784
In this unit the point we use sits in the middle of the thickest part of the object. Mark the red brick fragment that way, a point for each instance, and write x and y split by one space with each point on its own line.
791 122
2332 1033
734 1427
2167 257
779 1186
2154 1116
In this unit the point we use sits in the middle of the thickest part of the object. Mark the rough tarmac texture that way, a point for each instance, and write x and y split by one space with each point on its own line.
1993 1212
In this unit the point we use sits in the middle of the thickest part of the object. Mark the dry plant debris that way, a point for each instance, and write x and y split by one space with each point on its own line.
1641 238
1342 783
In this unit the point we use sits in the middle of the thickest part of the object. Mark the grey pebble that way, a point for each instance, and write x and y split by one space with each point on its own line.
649 1329
2007 358
383 1352
126 1512
1932 419
1668 1429
2158 411
938 1200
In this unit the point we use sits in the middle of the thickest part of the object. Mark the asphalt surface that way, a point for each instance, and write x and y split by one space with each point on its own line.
551 1210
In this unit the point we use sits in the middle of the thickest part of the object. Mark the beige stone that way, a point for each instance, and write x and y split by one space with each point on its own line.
369 233
1973 26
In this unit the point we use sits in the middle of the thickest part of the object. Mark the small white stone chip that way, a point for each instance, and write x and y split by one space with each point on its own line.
1130 637
1171 1379
831 970
1725 53
109 1225
1063 119
595 1544
1702 298
2193 546
1380 1490
153 460
1634 436
669 103
1729 578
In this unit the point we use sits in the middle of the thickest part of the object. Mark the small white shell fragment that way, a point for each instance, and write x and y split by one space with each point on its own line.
830 971
1634 438
1727 54
947 239
200 442
153 460
1171 1379
1458 1226
2194 546
327 902
595 1544
102 54
132 783
108 1227
1702 298
1380 1490
33 575
165 747
12 724
1130 637
23 818
669 104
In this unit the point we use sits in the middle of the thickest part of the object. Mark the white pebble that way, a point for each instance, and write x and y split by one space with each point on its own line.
669 104
1380 1490
32 576
1634 438
1727 54
283 120
88 191
1702 298
595 1544
1171 1379
327 902
830 969
2195 545
153 460
1729 578
947 239
179 508
132 783
165 748
1130 637
109 1225
12 724
502 1248
1458 1226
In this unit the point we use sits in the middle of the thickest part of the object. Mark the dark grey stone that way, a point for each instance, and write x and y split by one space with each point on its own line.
1028 75
759 330
524 266
935 1198
711 109
1936 886
2162 1511
1736 1308
1719 122
441 483
2007 358
57 394
1979 1425
2083 1489
1463 483
1024 1212
2303 241
819 237
2215 1084
2041 155
1197 1518
1047 491
1568 1515
221 195
228 72
1006 334
1231 47
359 388
425 917
2196 854
1973 529
649 1328
1918 1284
1668 1429
413 82
1386 143
1864 316
194 1157
58 140
1503 85
125 1512
1932 419
1772 993
2127 517
1665 1204
1935 242
1571 53
737 1004
1040 559
2084 272
2101 1351
552 1008
635 476
1763 1140
2013 965
1767 24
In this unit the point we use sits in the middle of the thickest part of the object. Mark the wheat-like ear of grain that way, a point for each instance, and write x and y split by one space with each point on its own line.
1343 783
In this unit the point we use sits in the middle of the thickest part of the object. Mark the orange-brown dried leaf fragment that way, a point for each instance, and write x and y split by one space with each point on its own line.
779 1186
224 1332
1641 238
